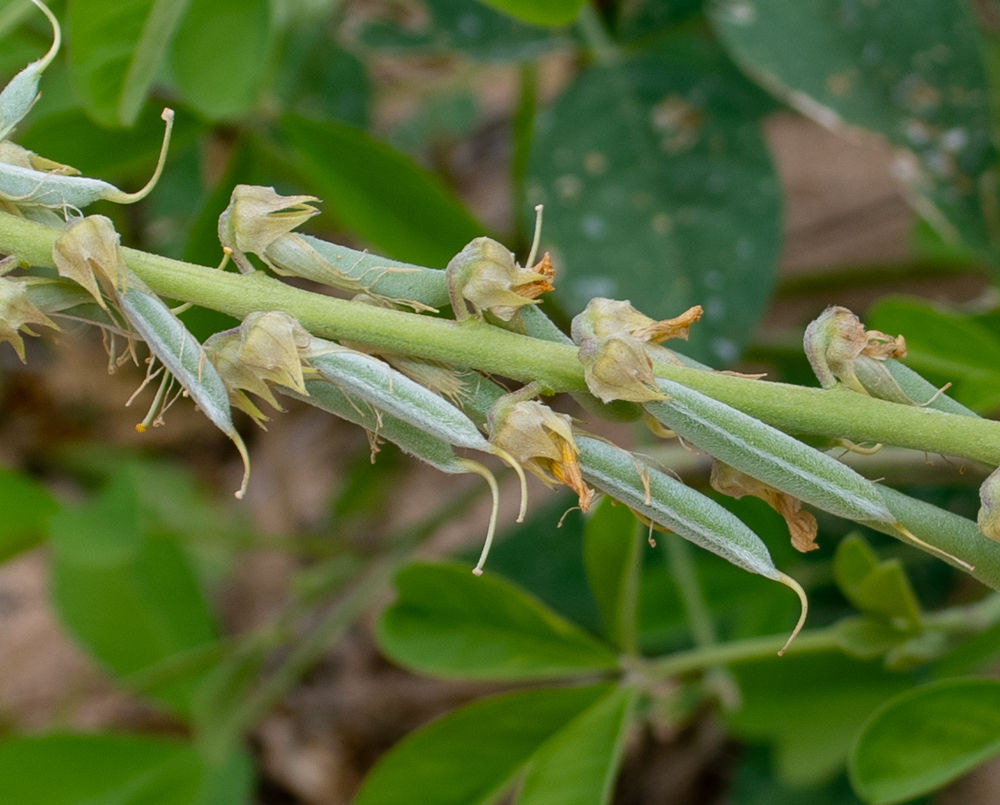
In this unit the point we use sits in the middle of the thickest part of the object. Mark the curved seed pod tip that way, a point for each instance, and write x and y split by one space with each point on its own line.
666 502
20 94
30 187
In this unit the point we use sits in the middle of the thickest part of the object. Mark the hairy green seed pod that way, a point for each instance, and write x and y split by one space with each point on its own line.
767 454
410 439
393 392
670 504
179 351
777 459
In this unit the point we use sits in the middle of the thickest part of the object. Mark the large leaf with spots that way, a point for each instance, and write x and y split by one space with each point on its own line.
658 188
910 71
474 29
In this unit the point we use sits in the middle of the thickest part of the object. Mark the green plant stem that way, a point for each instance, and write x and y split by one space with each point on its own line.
834 413
595 34
962 620
361 595
632 587
757 648
699 618
686 576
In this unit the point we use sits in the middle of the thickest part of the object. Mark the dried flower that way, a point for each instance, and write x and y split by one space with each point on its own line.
486 275
89 253
266 348
258 216
17 312
837 342
618 345
540 440
801 524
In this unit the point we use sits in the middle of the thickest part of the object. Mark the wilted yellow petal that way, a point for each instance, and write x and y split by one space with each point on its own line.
801 524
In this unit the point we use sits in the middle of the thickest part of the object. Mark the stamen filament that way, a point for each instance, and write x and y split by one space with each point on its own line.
479 469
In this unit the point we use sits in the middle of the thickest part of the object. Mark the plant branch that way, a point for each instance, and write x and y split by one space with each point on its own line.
962 620
834 413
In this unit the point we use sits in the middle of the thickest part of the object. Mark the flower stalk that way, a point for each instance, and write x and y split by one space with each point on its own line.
835 413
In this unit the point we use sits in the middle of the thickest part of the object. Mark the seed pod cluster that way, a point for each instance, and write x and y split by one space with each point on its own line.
434 412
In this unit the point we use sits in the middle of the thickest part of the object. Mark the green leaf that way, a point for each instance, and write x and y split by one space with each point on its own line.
156 33
639 20
471 755
810 708
947 347
910 71
610 551
658 187
115 51
130 598
876 588
754 784
219 55
474 29
332 84
378 193
106 769
26 508
447 622
540 12
544 554
579 765
866 638
926 737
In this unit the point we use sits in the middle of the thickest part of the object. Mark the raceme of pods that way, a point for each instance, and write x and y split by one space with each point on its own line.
666 502
426 286
361 388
